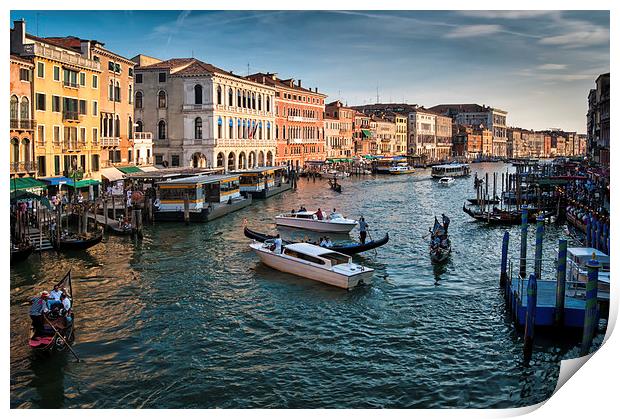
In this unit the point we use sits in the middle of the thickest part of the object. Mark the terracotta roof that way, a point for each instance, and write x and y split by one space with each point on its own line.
284 84
69 42
26 60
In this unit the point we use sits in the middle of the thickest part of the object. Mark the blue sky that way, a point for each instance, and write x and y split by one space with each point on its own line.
537 65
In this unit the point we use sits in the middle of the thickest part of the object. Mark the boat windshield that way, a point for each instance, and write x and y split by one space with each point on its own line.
303 256
336 258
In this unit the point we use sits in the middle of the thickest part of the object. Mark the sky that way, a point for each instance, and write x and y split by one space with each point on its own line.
537 65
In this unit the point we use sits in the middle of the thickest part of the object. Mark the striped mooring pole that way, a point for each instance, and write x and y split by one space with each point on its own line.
504 274
560 286
591 312
540 230
523 256
588 230
530 318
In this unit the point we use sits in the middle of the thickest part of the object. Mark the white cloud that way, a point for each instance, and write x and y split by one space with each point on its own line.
506 14
578 34
470 31
552 67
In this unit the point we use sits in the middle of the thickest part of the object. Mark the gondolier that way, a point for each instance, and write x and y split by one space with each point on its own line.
363 227
38 309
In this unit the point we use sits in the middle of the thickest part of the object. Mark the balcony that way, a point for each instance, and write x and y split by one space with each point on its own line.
71 84
44 50
142 138
70 145
110 142
70 116
23 167
230 142
301 119
23 124
144 161
197 107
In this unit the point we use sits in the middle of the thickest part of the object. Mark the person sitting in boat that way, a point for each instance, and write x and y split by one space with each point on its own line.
278 244
38 309
323 242
328 242
66 306
333 214
55 293
319 214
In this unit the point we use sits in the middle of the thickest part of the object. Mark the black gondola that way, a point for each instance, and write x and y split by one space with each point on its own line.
475 201
120 230
347 249
335 186
78 243
21 253
440 246
57 329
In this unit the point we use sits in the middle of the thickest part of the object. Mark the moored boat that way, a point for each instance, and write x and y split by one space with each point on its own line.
452 170
21 252
314 262
78 242
307 220
401 169
347 249
577 271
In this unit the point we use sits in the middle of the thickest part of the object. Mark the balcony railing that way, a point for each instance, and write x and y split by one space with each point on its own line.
24 167
70 116
301 119
148 136
57 54
23 123
110 142
230 142
68 83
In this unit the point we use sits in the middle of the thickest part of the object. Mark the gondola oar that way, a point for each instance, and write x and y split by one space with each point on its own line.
62 337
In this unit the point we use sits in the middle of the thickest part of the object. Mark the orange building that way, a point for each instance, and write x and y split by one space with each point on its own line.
363 143
299 121
346 117
22 156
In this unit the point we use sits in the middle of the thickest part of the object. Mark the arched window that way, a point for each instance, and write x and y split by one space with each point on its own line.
198 94
268 107
239 129
230 97
104 126
253 101
130 95
198 128
117 92
26 144
139 126
15 144
230 128
238 98
161 99
14 108
138 100
260 130
245 99
111 90
219 95
219 127
24 113
268 131
284 132
117 128
260 99
277 132
161 130
130 128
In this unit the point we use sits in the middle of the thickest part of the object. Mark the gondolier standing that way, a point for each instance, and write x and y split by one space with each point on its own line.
38 310
363 227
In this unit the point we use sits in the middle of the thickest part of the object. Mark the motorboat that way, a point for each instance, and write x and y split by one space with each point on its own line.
452 170
314 262
446 181
577 271
307 220
337 174
401 169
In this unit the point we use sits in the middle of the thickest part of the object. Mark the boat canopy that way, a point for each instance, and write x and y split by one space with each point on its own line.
27 183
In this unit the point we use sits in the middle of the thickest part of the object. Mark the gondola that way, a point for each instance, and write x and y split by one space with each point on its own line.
502 217
57 329
347 249
475 201
21 253
78 243
120 231
335 186
440 246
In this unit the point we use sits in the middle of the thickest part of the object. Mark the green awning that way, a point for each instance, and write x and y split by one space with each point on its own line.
83 183
26 183
366 133
25 196
130 169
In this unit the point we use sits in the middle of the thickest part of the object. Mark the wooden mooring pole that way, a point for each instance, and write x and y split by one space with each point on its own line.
591 312
523 255
540 229
503 277
560 286
186 209
530 318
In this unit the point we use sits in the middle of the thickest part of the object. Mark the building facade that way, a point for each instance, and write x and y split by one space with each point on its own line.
383 132
421 133
400 136
299 120
346 117
363 143
66 105
333 139
22 126
598 117
203 116
443 135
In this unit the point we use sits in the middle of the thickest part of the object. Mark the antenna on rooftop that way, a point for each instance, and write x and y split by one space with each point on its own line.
248 69
37 19
192 53
377 92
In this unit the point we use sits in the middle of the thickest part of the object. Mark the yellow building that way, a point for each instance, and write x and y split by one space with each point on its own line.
400 138
66 99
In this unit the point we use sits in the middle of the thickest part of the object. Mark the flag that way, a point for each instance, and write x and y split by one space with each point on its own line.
253 132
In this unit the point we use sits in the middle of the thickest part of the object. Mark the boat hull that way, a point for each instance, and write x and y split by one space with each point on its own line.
306 270
322 226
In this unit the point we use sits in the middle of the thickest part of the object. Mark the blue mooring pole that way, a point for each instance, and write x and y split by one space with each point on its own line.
591 312
540 229
523 256
530 318
560 286
504 274
588 230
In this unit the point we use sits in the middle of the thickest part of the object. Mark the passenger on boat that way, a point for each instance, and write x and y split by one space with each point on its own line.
38 309
278 244
66 304
333 214
363 226
446 222
319 214
302 208
55 293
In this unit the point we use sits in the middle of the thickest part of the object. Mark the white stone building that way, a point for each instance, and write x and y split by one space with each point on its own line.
421 131
203 116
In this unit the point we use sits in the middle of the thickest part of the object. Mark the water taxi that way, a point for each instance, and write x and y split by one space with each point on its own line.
207 196
314 262
451 170
263 182
308 220
446 181
401 169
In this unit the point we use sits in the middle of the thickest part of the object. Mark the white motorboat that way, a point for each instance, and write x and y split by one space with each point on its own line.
314 262
337 174
401 169
307 220
446 181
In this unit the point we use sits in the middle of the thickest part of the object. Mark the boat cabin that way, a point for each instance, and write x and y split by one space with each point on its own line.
577 271
199 190
316 255
260 178
451 170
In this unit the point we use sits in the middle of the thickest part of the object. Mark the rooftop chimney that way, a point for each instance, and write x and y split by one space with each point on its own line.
18 36
299 83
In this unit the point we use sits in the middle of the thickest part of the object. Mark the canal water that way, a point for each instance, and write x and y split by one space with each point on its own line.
189 318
